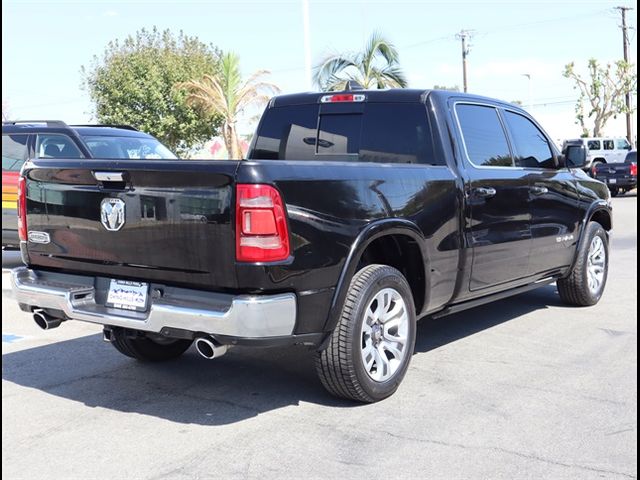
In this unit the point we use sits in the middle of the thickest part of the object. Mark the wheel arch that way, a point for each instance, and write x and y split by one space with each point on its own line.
599 212
409 254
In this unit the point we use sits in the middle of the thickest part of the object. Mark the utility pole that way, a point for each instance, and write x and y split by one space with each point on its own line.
462 36
625 49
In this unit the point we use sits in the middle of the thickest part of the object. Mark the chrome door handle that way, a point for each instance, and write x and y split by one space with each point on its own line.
484 192
539 190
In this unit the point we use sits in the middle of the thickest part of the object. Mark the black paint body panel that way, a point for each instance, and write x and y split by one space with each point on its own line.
180 220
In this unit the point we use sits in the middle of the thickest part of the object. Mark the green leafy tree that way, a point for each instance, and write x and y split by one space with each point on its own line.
377 66
229 95
603 92
133 83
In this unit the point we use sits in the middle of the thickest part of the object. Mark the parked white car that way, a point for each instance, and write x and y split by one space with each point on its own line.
603 150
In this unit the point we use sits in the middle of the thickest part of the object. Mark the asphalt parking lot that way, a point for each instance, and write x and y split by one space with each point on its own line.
523 388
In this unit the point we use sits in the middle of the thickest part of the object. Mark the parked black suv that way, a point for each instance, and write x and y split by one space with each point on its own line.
22 140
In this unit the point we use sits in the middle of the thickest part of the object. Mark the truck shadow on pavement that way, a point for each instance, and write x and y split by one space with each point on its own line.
244 383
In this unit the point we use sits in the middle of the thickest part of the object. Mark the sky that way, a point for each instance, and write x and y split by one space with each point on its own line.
45 43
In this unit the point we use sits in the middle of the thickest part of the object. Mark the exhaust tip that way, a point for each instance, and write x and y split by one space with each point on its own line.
209 348
46 321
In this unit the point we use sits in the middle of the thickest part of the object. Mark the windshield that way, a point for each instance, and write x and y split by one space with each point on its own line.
102 146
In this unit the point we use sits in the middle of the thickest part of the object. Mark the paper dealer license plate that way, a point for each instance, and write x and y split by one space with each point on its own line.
128 295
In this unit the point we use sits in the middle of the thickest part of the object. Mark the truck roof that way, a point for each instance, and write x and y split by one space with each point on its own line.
391 95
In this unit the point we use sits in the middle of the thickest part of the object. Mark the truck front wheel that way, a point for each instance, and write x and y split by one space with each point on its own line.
372 344
141 347
585 284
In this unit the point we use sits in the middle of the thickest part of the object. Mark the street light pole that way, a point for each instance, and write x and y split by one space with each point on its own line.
307 45
530 93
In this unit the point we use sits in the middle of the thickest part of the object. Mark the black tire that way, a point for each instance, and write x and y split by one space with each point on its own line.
340 366
574 289
614 192
137 345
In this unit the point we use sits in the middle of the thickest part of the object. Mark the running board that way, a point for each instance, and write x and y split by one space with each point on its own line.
492 298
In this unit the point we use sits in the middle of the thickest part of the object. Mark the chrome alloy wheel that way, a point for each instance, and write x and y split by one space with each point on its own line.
385 332
596 264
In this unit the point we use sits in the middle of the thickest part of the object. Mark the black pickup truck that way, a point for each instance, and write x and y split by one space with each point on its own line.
620 177
355 214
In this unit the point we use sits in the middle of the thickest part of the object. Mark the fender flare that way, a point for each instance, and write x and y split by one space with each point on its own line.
373 231
595 207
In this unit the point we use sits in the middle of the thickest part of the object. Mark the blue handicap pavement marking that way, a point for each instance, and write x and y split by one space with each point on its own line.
10 338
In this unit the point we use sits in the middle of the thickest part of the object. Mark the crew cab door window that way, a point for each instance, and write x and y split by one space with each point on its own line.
56 146
14 152
607 144
531 148
483 135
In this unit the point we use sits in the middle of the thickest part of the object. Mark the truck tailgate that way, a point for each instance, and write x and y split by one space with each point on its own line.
165 221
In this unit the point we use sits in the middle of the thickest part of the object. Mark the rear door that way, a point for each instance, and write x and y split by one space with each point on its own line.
553 195
498 198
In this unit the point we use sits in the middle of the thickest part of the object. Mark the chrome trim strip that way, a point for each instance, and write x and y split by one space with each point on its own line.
109 176
249 316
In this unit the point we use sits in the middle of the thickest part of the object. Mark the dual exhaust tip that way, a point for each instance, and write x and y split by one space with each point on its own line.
209 348
46 321
206 346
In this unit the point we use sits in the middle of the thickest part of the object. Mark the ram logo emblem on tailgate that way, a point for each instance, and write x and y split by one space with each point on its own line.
112 214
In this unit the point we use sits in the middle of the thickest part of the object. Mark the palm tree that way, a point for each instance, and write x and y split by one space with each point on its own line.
377 66
226 94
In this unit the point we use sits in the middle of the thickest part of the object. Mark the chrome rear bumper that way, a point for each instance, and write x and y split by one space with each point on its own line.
246 316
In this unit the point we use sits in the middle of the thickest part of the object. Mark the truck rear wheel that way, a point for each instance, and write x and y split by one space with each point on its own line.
145 348
585 284
372 344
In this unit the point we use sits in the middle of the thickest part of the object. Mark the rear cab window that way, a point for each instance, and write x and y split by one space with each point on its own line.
366 132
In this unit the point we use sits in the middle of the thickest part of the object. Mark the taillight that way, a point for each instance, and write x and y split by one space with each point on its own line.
262 234
342 97
634 169
22 209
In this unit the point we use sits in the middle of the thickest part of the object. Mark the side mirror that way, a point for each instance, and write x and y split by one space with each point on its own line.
574 156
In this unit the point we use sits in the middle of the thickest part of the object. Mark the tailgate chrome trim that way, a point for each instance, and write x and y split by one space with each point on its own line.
246 316
109 176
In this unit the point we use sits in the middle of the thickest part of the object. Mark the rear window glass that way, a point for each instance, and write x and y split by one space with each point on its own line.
383 133
56 146
112 146
593 145
14 152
